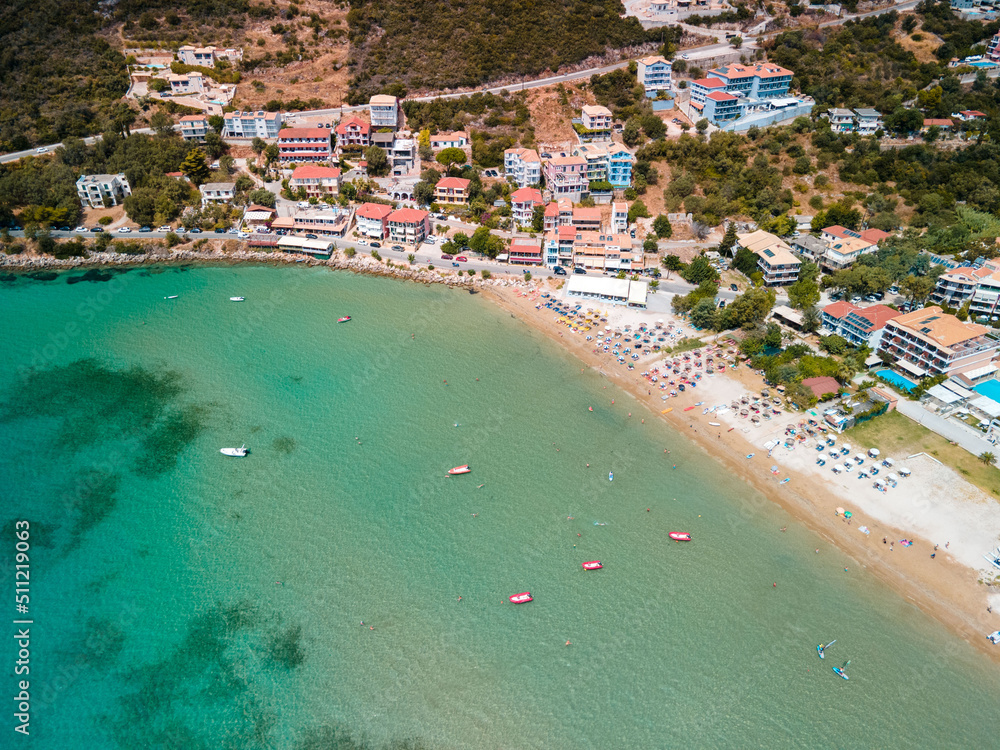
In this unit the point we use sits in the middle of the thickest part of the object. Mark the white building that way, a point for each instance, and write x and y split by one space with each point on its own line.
95 188
455 139
384 111
207 56
252 124
373 220
523 165
217 192
653 74
619 218
186 83
614 291
596 117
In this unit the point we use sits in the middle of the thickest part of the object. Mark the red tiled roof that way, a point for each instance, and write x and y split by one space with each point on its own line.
342 127
821 386
720 96
304 133
453 182
941 123
309 171
552 209
524 195
878 315
874 235
194 118
255 207
526 244
839 309
586 214
567 233
373 211
710 83
972 113
409 215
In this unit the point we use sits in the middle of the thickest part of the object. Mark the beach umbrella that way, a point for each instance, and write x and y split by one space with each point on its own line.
840 511
847 514
873 452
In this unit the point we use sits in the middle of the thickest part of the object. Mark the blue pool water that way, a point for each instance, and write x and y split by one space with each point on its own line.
990 389
896 379
983 64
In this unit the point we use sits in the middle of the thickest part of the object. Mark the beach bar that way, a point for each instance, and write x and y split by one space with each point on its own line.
615 291
303 245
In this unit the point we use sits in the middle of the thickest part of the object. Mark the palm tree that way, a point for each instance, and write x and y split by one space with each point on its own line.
987 458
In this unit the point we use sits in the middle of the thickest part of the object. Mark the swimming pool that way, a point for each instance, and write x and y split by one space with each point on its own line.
896 379
983 64
990 389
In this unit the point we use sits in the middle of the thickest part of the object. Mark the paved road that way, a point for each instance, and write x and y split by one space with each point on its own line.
949 429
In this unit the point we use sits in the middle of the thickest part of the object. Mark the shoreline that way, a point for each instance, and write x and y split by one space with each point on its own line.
942 588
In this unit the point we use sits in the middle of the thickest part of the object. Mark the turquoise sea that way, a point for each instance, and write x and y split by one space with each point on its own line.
159 621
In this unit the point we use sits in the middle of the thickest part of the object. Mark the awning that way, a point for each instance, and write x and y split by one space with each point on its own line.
955 387
986 406
943 394
911 368
977 374
873 359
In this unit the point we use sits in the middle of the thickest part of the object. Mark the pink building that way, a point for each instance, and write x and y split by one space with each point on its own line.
304 145
522 205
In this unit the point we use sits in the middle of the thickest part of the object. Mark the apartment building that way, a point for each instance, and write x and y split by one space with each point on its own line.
559 246
452 191
523 165
985 302
304 145
993 48
207 56
775 259
620 162
619 218
317 181
328 221
862 121
859 325
958 285
194 128
258 124
454 139
409 226
93 190
384 111
566 177
721 106
605 252
186 83
586 219
969 115
558 214
522 205
868 121
525 251
373 220
758 81
702 87
928 342
653 74
217 192
402 155
352 134
596 117
837 232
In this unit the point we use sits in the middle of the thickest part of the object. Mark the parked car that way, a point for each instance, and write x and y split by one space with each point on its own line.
580 269
445 256
242 235
722 303
165 228
196 230
304 204
855 299
63 229
462 259
559 271
734 287
80 229
145 229
376 244
97 230
312 237
431 240
124 230
399 248
41 149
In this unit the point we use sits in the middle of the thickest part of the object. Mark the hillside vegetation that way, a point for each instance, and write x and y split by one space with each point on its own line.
440 44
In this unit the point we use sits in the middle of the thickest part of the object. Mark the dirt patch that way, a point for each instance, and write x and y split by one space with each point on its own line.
923 49
92 217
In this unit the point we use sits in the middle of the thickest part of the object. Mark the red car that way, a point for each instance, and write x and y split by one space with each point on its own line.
462 259
445 256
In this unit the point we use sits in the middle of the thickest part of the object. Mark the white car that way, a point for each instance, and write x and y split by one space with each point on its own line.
165 228
430 240
124 230
80 229
41 149
243 235
304 204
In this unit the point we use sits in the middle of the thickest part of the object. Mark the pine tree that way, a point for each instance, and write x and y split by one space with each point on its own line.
729 240
194 166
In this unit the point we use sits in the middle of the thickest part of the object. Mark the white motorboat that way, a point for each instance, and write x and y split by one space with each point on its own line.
235 452
172 296
236 299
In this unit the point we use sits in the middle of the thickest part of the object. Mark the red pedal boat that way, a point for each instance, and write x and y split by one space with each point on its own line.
460 470
592 565
680 536
522 598
345 319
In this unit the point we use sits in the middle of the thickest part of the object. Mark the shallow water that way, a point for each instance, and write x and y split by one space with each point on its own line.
159 621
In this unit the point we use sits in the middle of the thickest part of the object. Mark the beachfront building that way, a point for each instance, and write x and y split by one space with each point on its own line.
353 134
409 226
373 220
293 244
930 342
776 261
304 145
558 246
384 111
653 74
194 128
330 221
316 181
522 205
258 218
217 192
958 285
525 251
454 139
608 291
566 177
606 252
452 191
859 325
101 190
523 166
258 124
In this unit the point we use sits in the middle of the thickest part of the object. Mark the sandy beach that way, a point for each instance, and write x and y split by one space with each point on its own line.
934 506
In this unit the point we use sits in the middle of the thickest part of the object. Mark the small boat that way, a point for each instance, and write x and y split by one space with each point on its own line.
715 424
235 452
460 470
345 319
688 408
236 299
172 296
994 637
680 536
611 476
522 598
592 565
821 649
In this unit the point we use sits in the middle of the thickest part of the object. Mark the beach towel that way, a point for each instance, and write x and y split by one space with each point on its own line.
864 530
